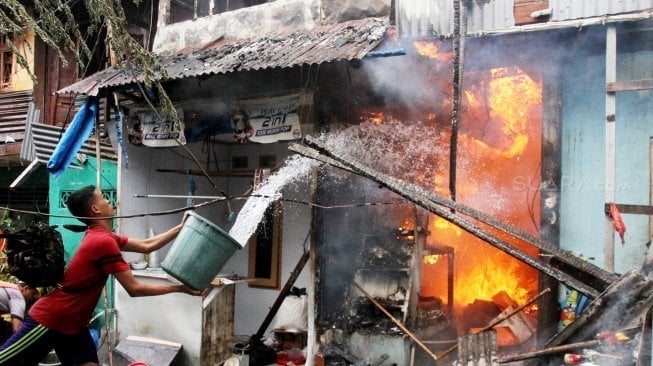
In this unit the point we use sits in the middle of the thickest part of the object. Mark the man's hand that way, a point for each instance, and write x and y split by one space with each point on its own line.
185 217
190 291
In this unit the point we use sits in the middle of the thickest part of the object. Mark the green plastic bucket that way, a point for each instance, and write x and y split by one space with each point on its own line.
199 252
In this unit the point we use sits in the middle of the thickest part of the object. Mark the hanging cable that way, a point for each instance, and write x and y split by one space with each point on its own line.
208 203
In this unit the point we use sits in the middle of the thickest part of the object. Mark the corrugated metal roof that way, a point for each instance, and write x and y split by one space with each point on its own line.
341 41
45 139
14 108
423 18
577 9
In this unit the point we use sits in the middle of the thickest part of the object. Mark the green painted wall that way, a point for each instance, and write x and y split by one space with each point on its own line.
60 187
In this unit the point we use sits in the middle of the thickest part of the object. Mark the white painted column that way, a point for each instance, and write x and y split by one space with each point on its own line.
610 138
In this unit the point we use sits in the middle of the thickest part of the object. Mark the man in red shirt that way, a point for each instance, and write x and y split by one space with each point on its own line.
59 319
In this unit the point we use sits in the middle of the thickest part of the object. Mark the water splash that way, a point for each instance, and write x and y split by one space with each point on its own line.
296 167
414 152
390 147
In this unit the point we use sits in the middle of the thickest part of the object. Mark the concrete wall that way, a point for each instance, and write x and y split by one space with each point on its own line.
274 17
277 16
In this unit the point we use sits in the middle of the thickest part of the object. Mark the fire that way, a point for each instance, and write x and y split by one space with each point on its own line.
376 118
502 110
498 173
431 259
498 156
500 147
444 225
431 50
481 271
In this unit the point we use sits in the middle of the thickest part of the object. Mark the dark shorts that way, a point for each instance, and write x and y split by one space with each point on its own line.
32 343
6 330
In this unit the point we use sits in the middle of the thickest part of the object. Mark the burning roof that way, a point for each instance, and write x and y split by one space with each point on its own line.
341 41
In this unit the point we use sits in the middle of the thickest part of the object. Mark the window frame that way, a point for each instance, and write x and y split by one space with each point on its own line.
6 52
271 257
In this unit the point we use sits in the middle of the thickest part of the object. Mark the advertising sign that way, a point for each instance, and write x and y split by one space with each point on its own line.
268 120
155 132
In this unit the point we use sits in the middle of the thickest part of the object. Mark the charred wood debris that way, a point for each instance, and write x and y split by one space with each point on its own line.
622 303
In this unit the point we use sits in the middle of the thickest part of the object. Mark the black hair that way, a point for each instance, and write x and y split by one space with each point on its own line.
79 202
30 300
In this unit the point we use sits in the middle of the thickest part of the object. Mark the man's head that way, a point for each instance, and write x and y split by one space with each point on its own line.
87 203
31 294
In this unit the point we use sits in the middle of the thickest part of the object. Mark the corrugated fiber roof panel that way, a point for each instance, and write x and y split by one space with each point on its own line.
341 41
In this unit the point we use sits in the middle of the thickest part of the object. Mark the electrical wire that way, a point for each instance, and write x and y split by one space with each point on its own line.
208 203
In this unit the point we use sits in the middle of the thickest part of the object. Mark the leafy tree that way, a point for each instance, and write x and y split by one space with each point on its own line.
56 24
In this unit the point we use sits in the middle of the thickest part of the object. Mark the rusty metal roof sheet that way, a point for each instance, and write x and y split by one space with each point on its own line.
341 41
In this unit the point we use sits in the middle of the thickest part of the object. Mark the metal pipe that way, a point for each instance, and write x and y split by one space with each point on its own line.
386 53
610 143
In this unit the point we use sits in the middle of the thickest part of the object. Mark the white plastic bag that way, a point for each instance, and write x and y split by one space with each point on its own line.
293 314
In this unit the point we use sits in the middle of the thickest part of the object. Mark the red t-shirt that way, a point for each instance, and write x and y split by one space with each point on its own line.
69 309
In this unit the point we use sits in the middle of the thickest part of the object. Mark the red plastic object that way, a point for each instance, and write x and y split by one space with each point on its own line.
285 359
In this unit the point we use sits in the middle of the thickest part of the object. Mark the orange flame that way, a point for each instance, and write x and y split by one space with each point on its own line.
431 259
498 173
373 117
431 50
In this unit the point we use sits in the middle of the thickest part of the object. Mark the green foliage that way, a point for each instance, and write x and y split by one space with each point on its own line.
54 23
55 26
6 222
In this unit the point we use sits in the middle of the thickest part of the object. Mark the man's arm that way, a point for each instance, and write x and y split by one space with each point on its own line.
151 244
136 288
16 323
17 306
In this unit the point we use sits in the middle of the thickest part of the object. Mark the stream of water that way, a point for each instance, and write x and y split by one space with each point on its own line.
296 167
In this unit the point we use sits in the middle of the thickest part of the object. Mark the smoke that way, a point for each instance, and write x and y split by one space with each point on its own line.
411 81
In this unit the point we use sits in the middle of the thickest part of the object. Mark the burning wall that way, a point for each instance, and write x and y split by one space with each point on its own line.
498 172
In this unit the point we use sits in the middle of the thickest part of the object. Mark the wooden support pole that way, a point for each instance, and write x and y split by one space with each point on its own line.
516 310
282 295
610 142
401 326
566 347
